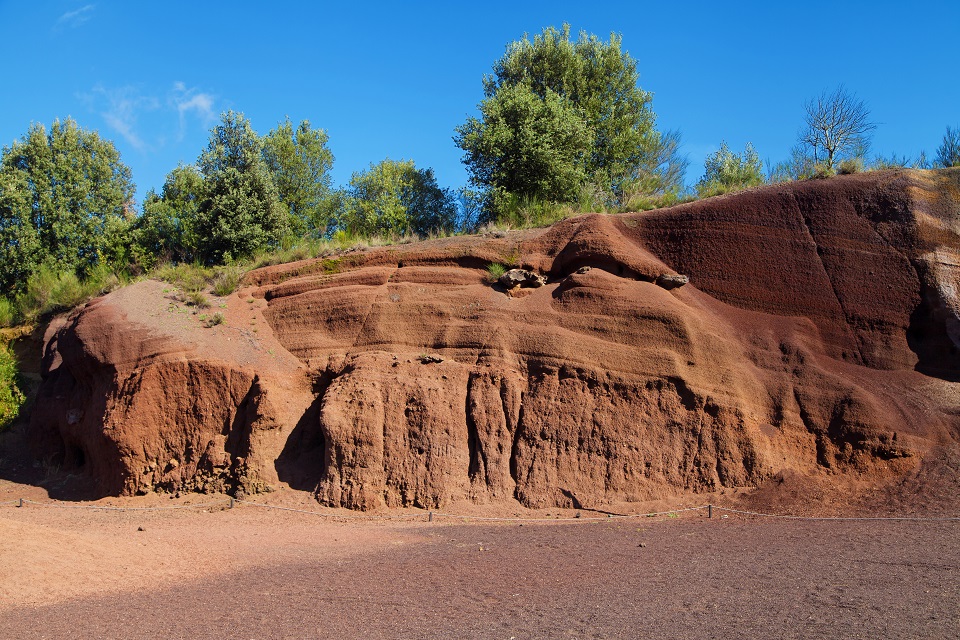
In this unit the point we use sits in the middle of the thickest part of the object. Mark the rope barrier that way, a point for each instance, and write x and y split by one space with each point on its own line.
330 515
229 503
607 518
60 505
838 518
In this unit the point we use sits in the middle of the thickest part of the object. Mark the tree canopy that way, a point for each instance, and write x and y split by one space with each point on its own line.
240 212
66 199
394 197
167 228
300 163
575 110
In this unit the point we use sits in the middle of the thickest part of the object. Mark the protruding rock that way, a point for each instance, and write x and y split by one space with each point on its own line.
672 280
522 278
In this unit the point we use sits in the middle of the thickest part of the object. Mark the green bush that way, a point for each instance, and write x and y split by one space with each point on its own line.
226 280
11 397
725 171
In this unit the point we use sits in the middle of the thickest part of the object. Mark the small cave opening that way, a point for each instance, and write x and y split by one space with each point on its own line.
74 457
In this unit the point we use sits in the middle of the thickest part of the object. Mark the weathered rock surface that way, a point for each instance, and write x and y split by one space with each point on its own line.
818 335
522 278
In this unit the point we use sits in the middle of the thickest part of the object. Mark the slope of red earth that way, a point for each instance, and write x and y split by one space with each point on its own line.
810 364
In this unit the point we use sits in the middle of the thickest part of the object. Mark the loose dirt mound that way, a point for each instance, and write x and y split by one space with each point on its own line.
817 338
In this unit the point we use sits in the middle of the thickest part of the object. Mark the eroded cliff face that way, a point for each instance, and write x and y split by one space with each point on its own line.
818 335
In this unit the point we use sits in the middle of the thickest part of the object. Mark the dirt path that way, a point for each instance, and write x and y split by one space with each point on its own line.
252 573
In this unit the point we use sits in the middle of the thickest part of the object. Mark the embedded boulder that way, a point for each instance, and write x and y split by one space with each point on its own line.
521 278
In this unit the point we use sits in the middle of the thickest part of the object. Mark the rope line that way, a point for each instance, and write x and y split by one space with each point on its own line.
607 518
439 514
867 518
60 505
330 515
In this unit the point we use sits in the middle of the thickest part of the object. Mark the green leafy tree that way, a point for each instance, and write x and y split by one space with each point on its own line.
948 154
614 147
241 211
167 228
528 145
394 197
20 251
79 198
726 171
300 163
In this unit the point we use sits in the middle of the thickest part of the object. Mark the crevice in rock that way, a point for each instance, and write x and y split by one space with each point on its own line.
302 462
477 467
807 227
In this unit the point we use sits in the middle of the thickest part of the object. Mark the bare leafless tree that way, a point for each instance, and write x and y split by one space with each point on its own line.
836 124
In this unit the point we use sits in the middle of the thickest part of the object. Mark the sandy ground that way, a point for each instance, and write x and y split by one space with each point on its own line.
208 571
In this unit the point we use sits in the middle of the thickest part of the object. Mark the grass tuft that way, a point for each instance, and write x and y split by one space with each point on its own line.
495 270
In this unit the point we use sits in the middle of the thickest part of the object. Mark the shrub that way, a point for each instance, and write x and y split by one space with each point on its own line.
189 277
214 320
226 280
11 397
67 292
726 171
850 166
196 299
7 313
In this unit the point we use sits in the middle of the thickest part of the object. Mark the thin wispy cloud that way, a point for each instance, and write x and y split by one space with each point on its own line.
146 121
121 108
187 100
73 19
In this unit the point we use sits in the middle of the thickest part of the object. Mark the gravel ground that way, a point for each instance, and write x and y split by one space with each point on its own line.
248 573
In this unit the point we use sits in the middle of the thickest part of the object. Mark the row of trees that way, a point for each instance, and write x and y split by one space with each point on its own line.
66 201
835 138
562 120
248 193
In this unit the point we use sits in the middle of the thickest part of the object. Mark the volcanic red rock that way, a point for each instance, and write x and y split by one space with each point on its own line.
817 338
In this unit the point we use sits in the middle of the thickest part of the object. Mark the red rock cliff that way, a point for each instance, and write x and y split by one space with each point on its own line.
818 334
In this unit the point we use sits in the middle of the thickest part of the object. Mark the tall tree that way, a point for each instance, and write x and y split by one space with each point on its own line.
167 228
591 81
836 125
394 197
241 211
20 251
78 192
528 145
300 163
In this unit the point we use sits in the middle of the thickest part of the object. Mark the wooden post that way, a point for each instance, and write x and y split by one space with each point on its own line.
231 502
430 517
20 504
709 510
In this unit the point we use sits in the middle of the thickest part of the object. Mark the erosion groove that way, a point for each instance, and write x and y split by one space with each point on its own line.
817 338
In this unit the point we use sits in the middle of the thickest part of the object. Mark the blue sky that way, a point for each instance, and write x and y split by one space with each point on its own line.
393 79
